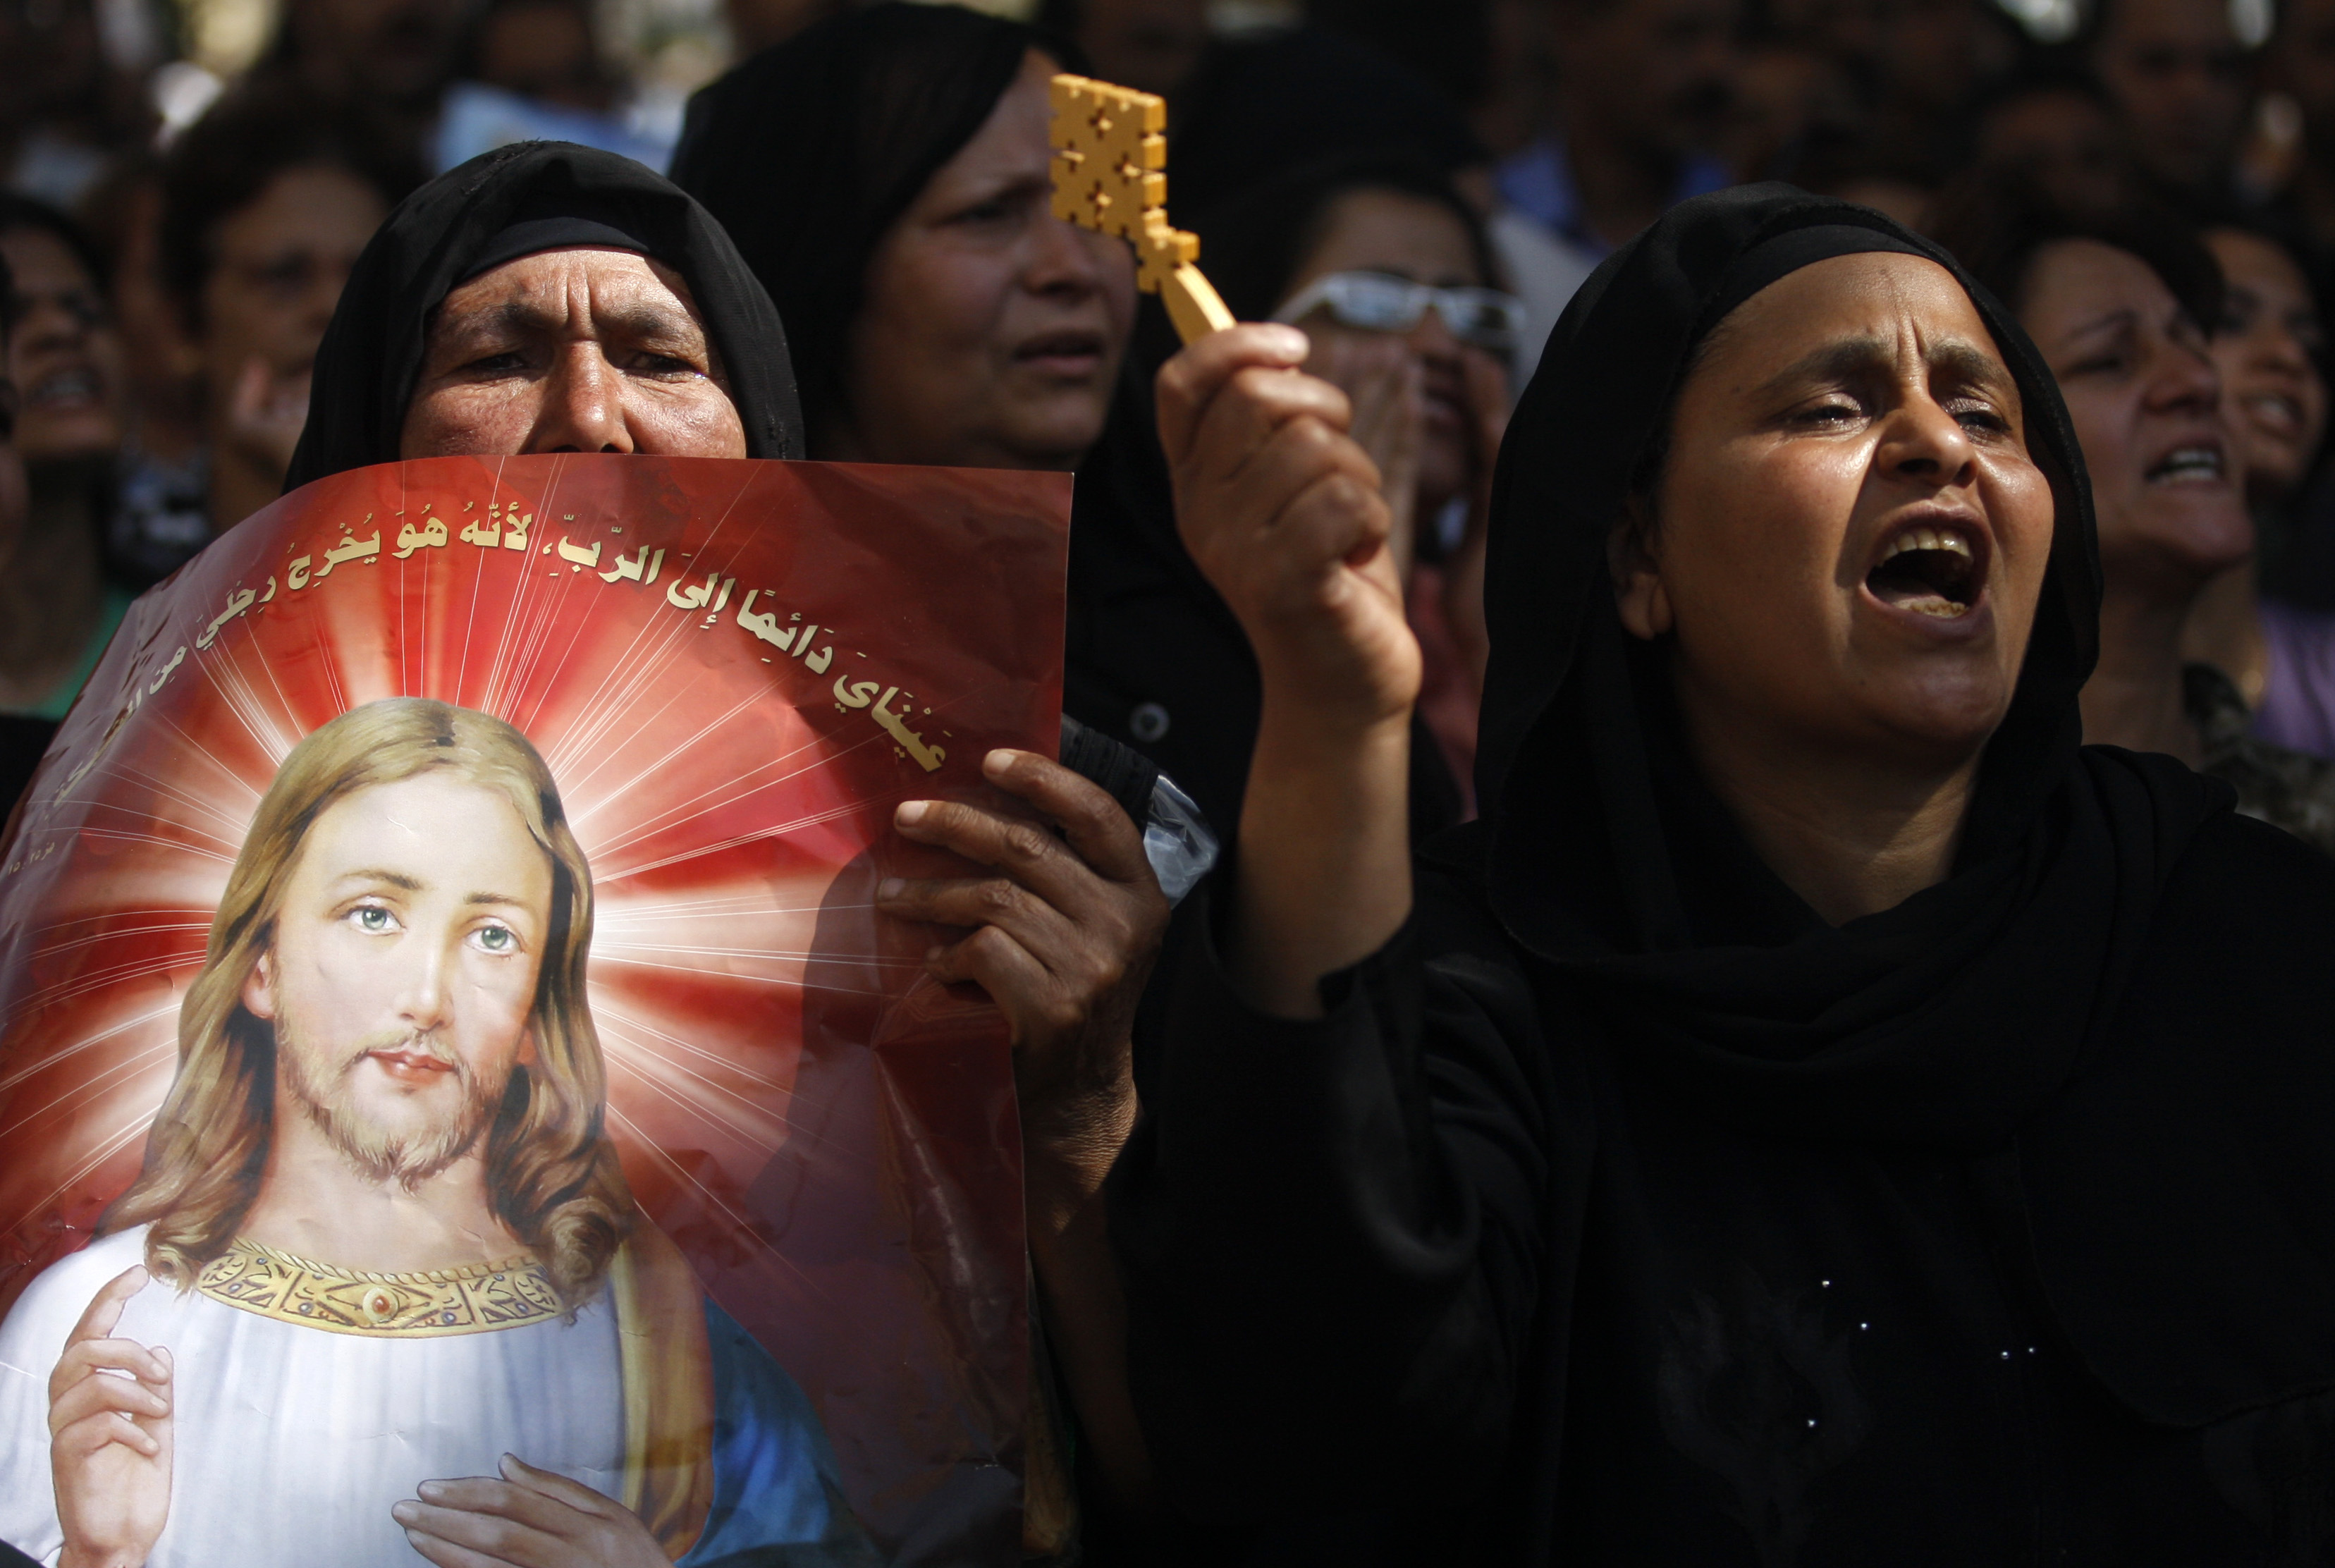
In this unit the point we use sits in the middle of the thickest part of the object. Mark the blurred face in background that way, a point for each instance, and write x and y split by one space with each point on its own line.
991 332
1150 45
64 356
2179 78
544 50
1422 241
2269 349
396 53
278 266
2301 63
1654 75
2062 138
2146 400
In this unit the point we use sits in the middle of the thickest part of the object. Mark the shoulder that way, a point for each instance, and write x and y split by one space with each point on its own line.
53 1303
2241 942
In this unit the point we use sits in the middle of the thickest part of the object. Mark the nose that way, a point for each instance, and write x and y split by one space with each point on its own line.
1063 260
422 1005
1923 441
583 408
2183 380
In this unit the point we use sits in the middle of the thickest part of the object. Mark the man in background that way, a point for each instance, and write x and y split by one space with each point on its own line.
1643 91
2178 77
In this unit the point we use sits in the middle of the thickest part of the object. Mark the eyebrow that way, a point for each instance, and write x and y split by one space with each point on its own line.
1846 356
640 321
404 884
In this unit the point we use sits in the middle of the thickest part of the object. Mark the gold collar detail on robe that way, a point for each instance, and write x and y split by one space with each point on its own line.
473 1300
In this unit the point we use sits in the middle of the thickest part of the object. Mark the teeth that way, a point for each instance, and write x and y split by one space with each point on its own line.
1928 539
2189 463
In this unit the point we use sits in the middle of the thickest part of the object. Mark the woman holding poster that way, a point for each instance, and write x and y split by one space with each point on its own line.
385 1138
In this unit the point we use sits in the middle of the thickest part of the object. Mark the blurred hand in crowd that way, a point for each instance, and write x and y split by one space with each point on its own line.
2179 79
1428 405
64 356
2269 348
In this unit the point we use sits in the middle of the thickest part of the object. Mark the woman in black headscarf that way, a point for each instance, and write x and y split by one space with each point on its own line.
1822 1114
887 176
530 199
549 298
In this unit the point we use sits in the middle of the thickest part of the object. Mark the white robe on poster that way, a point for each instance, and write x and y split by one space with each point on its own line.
292 1443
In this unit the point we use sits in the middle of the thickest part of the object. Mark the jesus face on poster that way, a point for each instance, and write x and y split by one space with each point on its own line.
381 1293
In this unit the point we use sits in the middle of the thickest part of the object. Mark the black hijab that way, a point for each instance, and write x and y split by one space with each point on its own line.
1994 1011
809 152
500 206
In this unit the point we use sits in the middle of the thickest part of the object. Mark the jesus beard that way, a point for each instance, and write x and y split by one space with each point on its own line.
380 1153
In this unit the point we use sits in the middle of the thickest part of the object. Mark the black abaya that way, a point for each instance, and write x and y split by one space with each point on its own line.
1621 1210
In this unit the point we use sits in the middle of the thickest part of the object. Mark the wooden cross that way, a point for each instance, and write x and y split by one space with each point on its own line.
1111 161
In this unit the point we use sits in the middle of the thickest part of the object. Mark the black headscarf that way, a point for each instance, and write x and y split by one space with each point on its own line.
810 151
500 206
1995 1009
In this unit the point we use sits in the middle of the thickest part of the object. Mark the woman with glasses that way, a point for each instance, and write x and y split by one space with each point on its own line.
1385 268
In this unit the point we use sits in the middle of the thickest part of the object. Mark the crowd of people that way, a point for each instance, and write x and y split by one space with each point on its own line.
1710 624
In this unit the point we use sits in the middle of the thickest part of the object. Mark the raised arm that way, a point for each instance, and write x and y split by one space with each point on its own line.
1282 513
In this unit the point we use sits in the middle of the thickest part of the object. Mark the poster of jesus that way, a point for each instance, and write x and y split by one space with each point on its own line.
380 1288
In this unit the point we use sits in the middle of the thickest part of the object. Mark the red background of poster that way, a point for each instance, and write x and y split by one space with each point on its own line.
843 1171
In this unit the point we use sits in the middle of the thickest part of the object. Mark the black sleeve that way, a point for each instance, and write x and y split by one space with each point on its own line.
1334 1231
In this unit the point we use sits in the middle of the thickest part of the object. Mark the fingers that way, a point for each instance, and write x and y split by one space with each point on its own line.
85 1436
558 1489
1095 825
1189 383
105 1307
1243 423
92 1392
1099 843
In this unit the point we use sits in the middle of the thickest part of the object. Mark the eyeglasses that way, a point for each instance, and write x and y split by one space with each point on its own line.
1380 302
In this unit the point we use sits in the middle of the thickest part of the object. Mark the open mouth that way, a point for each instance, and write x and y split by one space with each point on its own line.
2275 412
63 388
2197 463
1930 570
1062 351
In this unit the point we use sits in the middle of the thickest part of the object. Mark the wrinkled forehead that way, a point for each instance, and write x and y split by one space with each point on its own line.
621 283
1871 305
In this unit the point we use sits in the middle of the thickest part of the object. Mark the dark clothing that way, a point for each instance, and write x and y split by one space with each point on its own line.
23 742
1532 1234
372 353
1487 1266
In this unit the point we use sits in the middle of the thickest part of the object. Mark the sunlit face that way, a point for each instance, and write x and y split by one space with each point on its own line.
1410 237
1849 536
281 262
571 350
991 332
402 970
64 356
2146 403
2267 348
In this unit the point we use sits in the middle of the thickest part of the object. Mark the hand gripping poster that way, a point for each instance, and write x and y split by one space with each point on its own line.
449 1065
